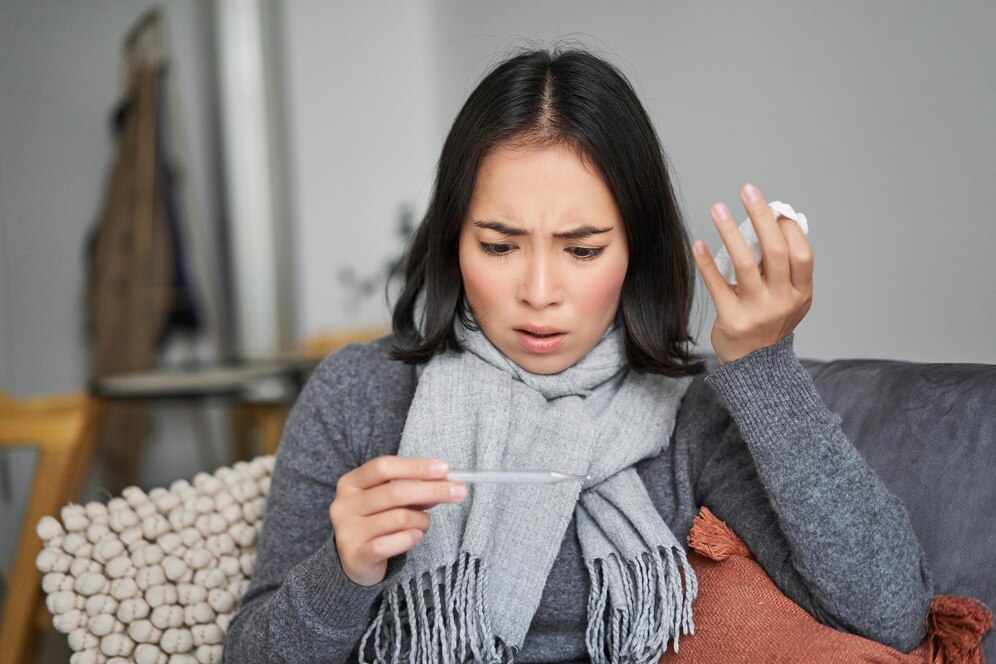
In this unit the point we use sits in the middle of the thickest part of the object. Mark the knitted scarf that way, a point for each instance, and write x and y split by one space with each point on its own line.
470 587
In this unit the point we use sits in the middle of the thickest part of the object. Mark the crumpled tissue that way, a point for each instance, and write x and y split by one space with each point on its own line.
746 228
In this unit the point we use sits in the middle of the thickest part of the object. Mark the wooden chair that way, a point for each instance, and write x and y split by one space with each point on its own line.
264 421
63 428
323 344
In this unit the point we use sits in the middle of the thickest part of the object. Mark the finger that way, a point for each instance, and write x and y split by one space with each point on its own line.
774 249
405 493
800 254
395 521
748 273
386 546
388 467
720 290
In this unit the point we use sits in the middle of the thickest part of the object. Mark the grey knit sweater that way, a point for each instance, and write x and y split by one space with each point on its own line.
754 442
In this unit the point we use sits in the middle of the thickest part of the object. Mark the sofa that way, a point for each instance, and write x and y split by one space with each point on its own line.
928 430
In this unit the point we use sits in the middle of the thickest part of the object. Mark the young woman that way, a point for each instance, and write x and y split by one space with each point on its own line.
543 324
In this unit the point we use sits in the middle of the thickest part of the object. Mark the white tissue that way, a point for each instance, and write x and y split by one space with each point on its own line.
746 228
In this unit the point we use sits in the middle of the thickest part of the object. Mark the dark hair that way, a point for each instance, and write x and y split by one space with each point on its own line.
560 97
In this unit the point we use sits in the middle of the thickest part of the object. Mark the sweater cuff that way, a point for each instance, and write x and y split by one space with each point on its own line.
335 597
767 386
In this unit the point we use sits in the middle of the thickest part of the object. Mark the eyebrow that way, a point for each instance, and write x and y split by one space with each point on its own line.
579 233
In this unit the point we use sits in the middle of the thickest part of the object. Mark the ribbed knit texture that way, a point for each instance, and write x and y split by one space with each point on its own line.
486 559
753 442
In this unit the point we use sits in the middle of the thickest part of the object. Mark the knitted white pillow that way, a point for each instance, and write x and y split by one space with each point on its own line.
154 578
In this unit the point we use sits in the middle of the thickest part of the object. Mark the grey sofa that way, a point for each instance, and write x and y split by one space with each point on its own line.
929 431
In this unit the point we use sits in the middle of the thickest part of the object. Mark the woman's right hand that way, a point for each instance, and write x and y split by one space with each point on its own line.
375 518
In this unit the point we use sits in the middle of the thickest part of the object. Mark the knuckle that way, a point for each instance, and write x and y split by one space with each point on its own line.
778 251
743 262
395 492
803 257
382 465
400 519
378 548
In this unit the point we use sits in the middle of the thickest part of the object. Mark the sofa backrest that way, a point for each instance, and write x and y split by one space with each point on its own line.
929 432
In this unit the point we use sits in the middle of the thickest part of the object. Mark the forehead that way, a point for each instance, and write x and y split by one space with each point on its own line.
525 183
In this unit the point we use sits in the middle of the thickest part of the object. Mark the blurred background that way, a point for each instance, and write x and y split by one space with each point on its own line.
298 141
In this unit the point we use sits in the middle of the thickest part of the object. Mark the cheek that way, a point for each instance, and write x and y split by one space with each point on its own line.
479 281
601 290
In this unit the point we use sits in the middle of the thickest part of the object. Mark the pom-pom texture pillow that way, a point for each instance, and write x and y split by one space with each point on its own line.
154 578
742 616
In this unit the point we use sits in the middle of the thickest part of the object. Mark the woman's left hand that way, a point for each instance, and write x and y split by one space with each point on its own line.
769 299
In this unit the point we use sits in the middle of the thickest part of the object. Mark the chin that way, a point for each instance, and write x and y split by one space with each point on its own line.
543 364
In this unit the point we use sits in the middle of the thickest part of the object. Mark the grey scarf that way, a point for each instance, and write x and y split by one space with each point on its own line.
471 586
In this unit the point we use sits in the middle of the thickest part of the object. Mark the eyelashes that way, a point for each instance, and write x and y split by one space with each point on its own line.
592 252
496 250
503 250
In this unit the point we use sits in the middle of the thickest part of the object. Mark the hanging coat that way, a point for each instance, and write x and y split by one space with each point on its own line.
130 272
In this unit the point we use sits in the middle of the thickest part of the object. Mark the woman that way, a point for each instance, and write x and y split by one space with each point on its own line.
543 324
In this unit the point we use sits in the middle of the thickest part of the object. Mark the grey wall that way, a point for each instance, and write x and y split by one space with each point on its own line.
363 142
876 120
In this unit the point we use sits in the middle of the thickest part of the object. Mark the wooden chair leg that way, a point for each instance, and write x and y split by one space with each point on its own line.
257 428
65 433
271 425
242 426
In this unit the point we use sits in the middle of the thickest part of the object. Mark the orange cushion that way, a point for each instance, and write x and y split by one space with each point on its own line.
742 616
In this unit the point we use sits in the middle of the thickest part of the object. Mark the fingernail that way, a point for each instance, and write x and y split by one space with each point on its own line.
698 247
718 211
751 193
418 535
458 491
439 467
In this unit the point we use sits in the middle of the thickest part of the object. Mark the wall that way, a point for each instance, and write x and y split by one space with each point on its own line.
58 86
362 144
874 120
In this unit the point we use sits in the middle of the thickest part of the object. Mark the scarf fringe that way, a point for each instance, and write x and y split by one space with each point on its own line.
652 610
402 631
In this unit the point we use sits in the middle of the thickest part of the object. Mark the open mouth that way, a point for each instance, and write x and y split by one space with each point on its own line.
540 342
541 336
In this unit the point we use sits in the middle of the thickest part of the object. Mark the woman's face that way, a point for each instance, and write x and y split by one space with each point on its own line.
543 255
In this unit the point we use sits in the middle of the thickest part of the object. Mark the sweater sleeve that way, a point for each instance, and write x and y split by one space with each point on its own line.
300 605
782 473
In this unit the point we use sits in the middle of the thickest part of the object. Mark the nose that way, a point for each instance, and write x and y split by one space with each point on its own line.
539 286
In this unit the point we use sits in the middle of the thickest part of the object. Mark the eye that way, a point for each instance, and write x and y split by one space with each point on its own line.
585 253
496 249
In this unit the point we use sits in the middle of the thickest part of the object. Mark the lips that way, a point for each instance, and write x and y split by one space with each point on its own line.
540 338
539 330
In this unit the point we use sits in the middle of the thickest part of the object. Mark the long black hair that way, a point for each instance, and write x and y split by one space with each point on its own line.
565 97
